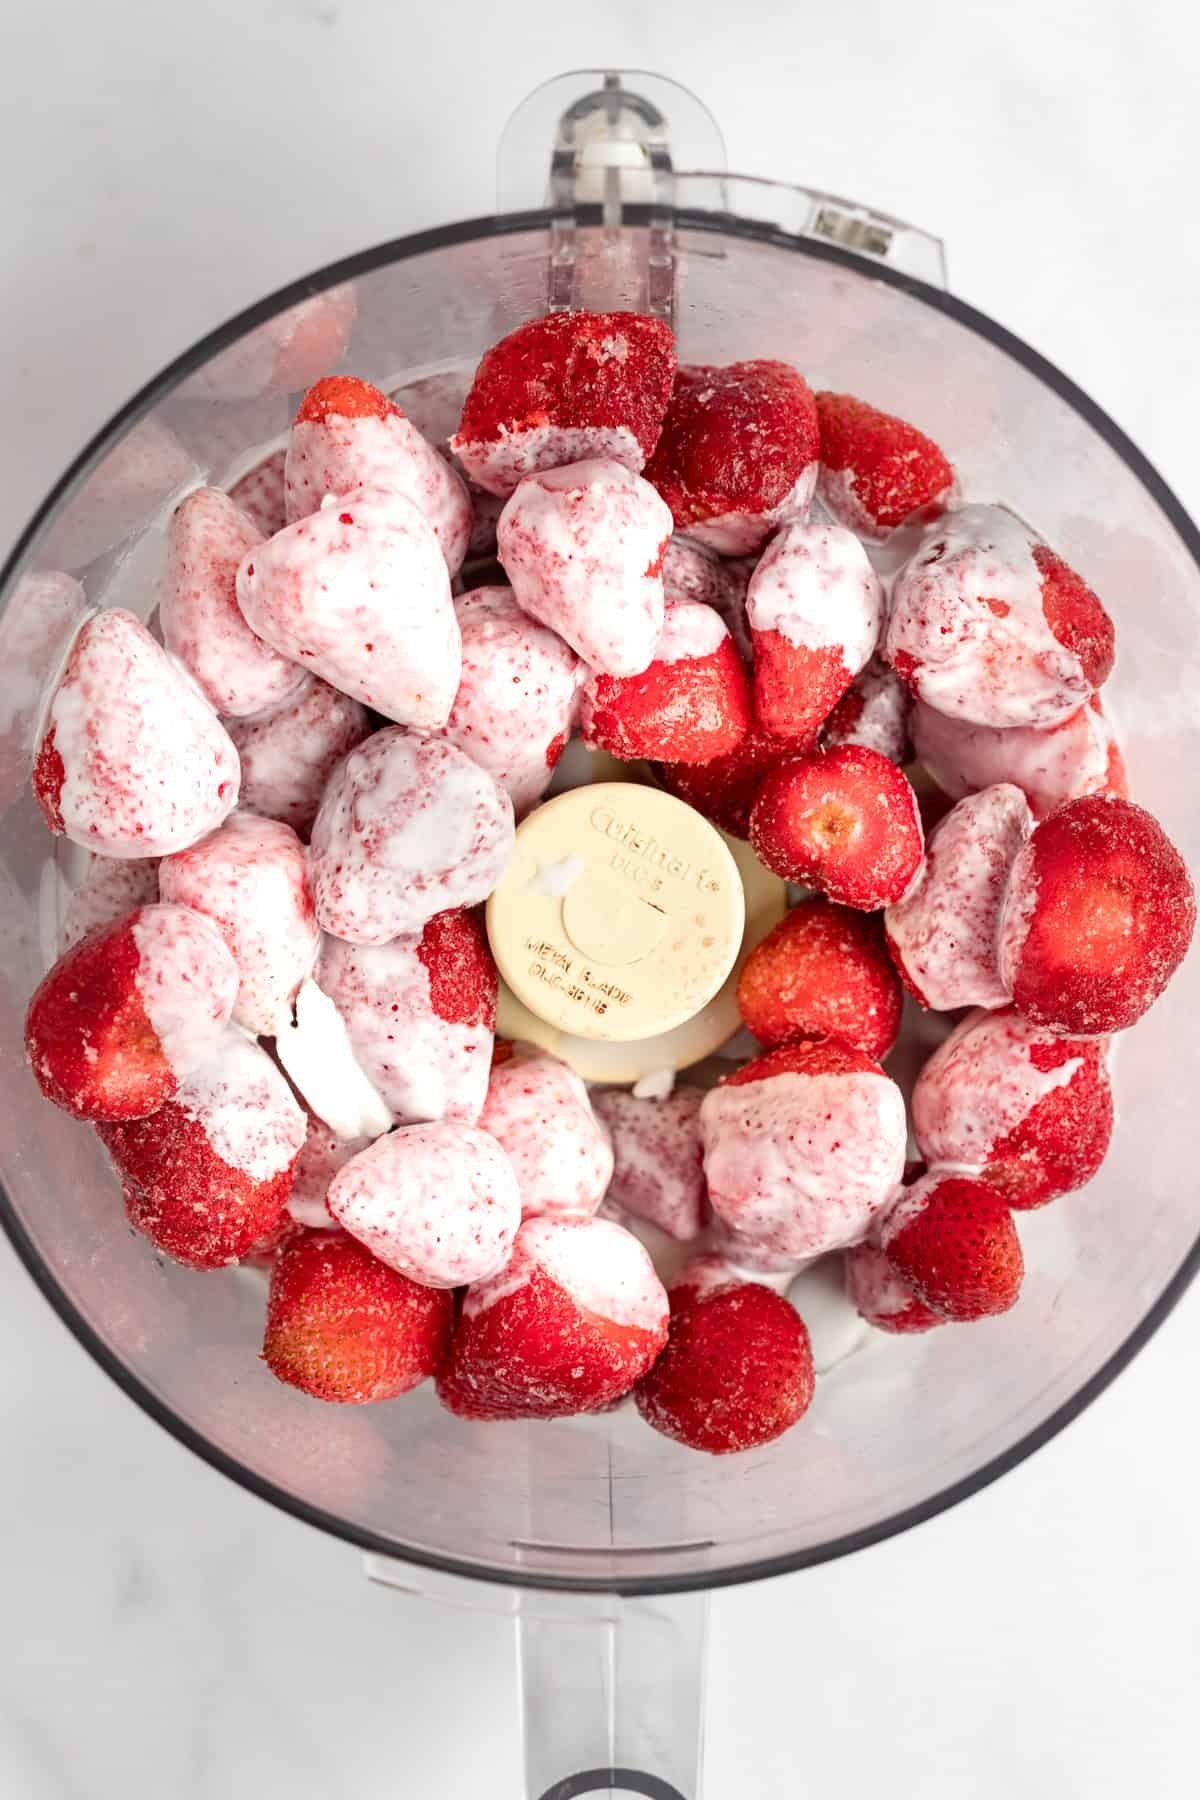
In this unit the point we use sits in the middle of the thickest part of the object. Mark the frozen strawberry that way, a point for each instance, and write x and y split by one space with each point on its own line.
439 1202
359 594
583 547
408 827
259 494
516 703
691 704
803 1146
844 821
942 934
348 435
1099 914
725 789
420 1012
538 1110
250 877
823 971
111 887
201 621
952 1238
571 1323
815 610
209 1173
343 1326
322 1154
133 761
1029 1111
1049 763
130 1012
658 1160
873 713
288 755
876 470
991 627
562 389
737 1371
882 1295
738 453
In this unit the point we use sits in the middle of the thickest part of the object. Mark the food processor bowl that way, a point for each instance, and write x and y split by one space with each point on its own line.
586 1524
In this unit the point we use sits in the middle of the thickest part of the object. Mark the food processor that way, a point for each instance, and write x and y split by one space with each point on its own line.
599 1536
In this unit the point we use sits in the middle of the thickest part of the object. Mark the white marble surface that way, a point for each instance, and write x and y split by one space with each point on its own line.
164 1633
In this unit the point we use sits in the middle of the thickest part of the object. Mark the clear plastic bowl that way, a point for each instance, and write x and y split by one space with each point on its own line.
904 1427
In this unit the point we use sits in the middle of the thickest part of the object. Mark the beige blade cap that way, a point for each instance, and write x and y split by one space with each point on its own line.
620 915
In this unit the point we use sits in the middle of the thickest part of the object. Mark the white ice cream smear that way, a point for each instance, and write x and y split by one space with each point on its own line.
556 877
816 587
316 1053
690 629
658 1085
601 1265
245 1108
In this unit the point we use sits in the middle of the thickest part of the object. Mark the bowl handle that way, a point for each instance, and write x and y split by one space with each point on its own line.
611 1688
614 149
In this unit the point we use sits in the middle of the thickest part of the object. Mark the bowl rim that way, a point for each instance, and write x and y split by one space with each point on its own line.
373 1543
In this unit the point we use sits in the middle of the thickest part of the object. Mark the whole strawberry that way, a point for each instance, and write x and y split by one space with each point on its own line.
952 1238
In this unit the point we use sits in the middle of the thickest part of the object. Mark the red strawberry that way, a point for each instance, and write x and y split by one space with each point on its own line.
344 397
560 389
343 1326
691 704
576 1317
1075 616
738 453
1031 1111
881 1294
952 1238
877 470
129 1011
1099 914
725 789
209 1174
824 969
736 1373
844 821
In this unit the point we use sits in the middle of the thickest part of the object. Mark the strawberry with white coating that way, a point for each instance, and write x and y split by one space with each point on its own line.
358 593
111 887
658 1160
539 1111
692 573
202 623
1028 1111
129 1012
408 827
250 877
877 470
288 755
990 626
133 761
803 1147
1049 763
873 713
691 704
322 1154
348 435
573 1321
564 388
259 494
882 1296
815 609
420 1012
737 458
439 1202
583 548
342 1326
942 934
516 702
209 1174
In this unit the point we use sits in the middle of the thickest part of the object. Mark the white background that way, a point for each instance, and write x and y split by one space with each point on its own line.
165 164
